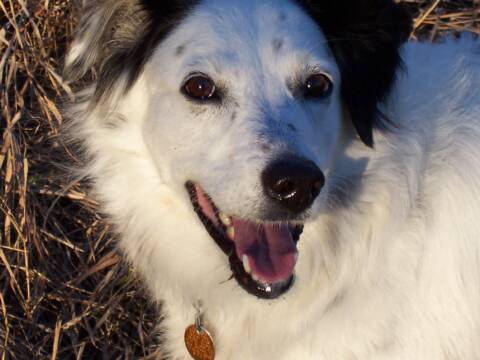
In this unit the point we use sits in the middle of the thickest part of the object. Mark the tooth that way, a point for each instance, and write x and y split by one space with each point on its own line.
246 264
255 277
225 219
231 232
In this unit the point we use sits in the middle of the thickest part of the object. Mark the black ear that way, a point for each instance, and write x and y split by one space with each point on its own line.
364 36
117 37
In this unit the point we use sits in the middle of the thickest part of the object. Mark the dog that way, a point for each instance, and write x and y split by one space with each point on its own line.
294 178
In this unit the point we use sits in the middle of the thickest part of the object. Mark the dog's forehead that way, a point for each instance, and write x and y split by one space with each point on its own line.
246 31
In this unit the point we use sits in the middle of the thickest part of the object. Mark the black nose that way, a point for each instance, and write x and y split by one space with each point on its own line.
293 182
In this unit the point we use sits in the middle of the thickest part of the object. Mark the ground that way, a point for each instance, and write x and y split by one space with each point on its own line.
64 291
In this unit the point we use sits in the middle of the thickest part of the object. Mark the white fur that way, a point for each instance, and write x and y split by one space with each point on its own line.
389 264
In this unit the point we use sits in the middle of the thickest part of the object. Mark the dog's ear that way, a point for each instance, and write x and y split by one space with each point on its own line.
364 36
117 37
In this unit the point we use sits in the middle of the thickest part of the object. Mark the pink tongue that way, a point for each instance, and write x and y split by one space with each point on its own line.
270 248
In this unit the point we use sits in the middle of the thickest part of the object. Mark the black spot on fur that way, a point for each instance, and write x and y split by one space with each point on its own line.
180 50
292 127
265 147
364 36
119 45
277 44
197 111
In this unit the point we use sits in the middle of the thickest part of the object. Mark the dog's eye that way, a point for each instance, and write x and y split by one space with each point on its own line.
199 87
318 86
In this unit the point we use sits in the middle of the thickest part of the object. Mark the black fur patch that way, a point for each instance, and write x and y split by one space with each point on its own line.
124 38
364 36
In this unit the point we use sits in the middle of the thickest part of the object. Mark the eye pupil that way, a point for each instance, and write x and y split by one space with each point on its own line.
200 87
318 86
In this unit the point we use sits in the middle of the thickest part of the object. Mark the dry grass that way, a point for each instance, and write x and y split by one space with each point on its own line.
64 292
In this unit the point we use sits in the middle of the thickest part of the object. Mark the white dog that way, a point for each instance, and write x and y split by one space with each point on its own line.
280 179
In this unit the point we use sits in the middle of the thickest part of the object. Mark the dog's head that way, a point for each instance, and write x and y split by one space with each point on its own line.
241 107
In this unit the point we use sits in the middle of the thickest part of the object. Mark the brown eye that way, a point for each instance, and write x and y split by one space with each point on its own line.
318 86
199 87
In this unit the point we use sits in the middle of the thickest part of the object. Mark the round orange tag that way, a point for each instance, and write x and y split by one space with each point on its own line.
199 343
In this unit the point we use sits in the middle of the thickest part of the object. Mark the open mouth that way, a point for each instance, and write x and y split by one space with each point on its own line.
262 255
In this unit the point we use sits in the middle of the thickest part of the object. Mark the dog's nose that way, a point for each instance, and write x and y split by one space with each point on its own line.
293 182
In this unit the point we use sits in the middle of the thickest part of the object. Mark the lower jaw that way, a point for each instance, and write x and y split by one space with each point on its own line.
267 291
255 288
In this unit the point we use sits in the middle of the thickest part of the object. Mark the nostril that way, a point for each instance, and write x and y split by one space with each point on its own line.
283 189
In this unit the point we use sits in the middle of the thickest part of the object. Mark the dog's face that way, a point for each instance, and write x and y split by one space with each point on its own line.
247 119
243 104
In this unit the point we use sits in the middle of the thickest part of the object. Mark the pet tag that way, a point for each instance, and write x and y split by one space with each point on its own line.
199 343
198 340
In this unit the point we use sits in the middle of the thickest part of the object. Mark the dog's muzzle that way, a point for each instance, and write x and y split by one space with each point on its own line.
263 252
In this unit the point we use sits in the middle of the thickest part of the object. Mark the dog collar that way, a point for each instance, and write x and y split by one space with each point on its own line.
198 340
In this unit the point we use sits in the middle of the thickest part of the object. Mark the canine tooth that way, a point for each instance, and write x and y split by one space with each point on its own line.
225 219
231 232
246 264
255 277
